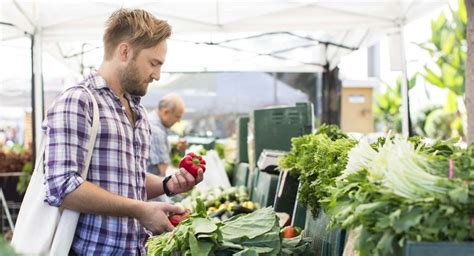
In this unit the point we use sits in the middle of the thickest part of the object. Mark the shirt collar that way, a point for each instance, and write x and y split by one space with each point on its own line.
98 82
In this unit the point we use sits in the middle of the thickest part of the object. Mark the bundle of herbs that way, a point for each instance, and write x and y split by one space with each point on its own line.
317 159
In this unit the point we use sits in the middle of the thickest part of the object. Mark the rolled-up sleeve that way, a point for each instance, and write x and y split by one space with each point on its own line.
68 124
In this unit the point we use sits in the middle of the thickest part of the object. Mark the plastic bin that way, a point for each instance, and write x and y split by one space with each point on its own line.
438 249
240 175
265 190
273 128
242 130
325 242
286 191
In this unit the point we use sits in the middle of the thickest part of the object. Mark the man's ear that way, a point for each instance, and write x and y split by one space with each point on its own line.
124 51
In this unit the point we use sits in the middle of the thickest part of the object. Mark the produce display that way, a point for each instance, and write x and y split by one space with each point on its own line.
405 190
246 234
387 192
14 159
221 203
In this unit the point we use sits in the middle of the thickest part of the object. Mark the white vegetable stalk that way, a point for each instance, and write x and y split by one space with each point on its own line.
397 165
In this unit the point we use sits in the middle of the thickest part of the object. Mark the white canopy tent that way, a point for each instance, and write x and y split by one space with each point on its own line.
219 35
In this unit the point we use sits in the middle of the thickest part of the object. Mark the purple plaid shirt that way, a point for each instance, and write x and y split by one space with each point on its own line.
118 163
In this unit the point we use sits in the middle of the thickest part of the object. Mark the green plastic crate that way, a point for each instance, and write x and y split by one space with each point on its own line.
298 218
265 190
325 242
252 182
242 131
240 175
438 249
273 128
285 201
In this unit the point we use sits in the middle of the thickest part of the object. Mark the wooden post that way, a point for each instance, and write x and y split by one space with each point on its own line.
469 97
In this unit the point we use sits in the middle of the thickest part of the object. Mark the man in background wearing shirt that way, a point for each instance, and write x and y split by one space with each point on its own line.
170 110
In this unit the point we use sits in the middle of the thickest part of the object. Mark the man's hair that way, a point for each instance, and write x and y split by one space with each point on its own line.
167 103
137 27
170 101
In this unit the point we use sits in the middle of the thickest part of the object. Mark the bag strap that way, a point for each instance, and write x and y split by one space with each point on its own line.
90 143
94 130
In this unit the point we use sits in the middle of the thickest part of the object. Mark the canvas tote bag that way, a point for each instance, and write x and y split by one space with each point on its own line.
41 228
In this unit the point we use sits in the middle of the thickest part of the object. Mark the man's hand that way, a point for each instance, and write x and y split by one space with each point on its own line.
181 145
154 216
182 181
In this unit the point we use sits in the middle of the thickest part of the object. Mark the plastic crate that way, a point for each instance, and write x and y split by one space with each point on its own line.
240 175
273 128
298 217
242 131
438 249
265 189
325 242
252 180
286 191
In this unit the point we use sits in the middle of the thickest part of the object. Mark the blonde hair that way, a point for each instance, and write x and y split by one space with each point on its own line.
137 27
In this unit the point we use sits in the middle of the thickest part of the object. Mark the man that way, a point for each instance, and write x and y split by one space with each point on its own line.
170 110
115 213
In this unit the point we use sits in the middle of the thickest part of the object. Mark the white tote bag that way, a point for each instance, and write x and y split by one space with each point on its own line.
41 228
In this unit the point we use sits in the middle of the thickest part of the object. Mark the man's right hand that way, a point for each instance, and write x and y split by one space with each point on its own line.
154 216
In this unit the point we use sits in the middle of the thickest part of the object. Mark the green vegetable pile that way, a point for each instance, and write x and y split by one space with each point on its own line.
215 197
256 233
401 191
388 192
317 159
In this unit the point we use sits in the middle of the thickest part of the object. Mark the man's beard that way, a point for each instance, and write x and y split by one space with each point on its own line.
130 80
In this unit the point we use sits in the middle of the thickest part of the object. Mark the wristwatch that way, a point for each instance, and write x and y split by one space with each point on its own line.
165 188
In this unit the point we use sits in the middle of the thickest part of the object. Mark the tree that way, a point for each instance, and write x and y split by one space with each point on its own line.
387 106
469 98
447 47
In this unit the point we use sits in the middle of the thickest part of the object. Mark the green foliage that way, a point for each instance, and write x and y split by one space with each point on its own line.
256 233
448 50
317 160
24 179
220 149
387 105
385 220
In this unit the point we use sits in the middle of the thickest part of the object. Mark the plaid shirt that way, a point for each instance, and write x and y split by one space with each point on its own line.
118 163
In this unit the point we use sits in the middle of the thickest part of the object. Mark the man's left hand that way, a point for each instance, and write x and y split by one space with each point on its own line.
182 181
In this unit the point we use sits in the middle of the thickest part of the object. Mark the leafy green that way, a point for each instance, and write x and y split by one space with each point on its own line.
298 245
386 211
247 234
249 226
317 160
196 235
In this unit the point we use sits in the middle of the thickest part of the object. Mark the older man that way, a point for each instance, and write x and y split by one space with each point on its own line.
170 110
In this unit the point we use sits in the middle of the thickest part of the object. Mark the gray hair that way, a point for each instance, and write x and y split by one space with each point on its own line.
167 103
170 101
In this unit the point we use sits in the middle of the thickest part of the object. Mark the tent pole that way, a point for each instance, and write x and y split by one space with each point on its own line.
405 97
37 89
